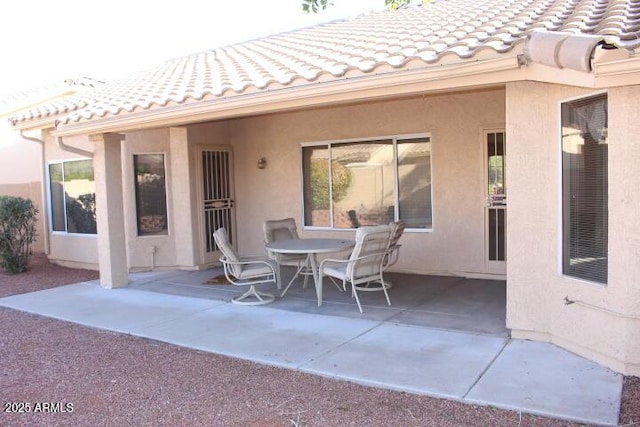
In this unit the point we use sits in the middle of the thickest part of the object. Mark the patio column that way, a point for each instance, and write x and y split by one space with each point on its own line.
181 184
112 248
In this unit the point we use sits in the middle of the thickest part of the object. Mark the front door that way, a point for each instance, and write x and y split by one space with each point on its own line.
496 201
217 199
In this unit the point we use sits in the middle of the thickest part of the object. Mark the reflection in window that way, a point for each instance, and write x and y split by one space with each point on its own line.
496 166
585 189
151 196
73 197
414 182
348 185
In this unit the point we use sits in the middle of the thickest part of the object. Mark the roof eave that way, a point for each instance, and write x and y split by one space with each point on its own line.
624 72
42 123
360 88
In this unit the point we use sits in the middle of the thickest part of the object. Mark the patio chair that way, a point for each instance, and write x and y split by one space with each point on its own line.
286 229
396 229
364 265
245 271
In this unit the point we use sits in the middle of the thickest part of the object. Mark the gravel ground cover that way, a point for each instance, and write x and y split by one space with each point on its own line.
67 374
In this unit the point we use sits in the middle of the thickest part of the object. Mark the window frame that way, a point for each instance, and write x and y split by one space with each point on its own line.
135 194
394 139
560 197
49 206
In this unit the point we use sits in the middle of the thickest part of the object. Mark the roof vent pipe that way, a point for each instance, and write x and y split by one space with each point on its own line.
562 50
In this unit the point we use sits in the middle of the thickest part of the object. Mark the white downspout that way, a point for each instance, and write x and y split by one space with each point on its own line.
43 192
74 150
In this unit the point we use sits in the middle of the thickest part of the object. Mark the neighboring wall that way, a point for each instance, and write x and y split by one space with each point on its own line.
455 121
21 175
604 322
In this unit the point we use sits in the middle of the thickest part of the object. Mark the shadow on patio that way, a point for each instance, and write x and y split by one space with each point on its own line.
441 302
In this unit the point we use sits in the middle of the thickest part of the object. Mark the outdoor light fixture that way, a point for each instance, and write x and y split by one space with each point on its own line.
262 163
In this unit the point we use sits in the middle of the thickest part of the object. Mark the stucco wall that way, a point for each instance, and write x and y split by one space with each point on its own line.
29 190
203 136
181 247
455 122
75 250
145 252
21 174
604 322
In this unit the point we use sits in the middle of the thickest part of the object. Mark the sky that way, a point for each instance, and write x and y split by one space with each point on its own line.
43 41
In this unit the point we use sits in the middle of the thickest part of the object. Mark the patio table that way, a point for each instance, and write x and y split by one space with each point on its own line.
311 247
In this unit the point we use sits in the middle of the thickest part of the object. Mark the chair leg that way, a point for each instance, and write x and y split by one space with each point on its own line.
355 294
262 297
341 289
301 267
293 279
279 274
384 287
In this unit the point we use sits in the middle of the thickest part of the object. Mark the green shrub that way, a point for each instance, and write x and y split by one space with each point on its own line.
17 232
341 181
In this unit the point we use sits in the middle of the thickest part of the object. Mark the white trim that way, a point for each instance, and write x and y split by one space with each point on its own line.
618 73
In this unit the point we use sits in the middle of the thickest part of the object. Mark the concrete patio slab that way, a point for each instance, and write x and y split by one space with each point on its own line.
121 310
532 377
260 334
543 379
414 359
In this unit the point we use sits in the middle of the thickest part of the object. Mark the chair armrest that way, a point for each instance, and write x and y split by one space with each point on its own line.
247 258
347 261
245 261
333 260
392 256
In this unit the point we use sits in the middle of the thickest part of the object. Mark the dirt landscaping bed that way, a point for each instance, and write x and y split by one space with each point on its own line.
90 377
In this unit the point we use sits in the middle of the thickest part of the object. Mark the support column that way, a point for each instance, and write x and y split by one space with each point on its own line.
181 183
112 248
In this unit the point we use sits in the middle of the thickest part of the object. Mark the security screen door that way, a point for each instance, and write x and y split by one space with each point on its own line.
217 199
496 202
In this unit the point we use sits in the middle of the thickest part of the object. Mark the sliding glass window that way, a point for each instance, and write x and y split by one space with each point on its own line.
72 192
349 184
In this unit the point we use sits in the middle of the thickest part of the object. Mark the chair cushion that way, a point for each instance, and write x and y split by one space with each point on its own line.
339 271
396 228
371 241
251 271
222 241
280 229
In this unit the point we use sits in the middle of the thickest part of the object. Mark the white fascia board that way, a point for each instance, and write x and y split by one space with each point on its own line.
43 123
357 88
563 76
624 72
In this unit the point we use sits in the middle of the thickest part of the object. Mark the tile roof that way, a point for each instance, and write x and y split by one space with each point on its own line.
445 31
52 99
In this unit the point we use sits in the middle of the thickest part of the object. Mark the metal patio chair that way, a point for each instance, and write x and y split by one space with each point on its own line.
364 265
245 271
286 229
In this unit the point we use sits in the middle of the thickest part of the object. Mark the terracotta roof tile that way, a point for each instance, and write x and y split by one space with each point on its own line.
442 31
